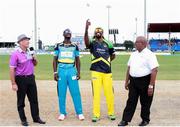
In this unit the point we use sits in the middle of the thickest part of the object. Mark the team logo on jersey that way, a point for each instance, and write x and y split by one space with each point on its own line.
104 45
102 51
66 54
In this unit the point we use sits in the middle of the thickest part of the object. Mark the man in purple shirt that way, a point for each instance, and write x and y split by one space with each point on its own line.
22 64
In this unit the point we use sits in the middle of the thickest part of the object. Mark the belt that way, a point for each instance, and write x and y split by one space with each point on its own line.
143 77
24 76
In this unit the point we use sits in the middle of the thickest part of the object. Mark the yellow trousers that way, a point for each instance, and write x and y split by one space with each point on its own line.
98 80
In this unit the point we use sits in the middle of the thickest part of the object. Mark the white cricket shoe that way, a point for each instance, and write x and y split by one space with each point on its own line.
81 117
61 117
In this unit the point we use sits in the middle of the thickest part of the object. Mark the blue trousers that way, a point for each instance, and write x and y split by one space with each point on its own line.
67 78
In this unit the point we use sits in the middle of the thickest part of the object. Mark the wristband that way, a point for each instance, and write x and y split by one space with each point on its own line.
151 86
55 72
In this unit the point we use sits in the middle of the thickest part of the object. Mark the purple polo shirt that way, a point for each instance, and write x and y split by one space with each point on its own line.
22 62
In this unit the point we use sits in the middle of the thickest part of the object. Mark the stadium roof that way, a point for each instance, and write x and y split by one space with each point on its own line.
164 27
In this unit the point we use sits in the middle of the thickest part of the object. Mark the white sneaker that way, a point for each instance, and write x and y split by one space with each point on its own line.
81 117
61 117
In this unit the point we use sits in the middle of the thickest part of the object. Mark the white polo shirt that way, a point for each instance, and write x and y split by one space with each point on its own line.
141 63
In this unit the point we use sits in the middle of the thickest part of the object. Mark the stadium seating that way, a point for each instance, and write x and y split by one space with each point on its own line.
163 45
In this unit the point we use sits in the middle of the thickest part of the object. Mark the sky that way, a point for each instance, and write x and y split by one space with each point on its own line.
53 16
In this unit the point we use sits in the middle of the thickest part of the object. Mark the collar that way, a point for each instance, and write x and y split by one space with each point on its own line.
67 44
100 40
143 51
21 51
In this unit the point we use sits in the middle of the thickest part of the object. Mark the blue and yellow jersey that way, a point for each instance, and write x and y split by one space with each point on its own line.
66 54
101 52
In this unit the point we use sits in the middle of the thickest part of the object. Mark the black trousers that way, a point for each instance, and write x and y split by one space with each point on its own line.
138 87
27 86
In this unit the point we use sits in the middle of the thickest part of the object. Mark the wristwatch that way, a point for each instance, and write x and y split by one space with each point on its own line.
151 86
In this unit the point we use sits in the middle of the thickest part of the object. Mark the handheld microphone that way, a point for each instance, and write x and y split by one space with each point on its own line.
32 52
33 56
31 48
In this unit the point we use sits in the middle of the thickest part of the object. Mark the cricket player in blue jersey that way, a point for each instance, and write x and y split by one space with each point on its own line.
66 65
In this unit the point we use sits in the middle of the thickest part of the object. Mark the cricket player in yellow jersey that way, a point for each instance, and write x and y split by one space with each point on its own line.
103 53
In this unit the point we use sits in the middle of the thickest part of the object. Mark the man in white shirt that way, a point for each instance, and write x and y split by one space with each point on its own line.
140 81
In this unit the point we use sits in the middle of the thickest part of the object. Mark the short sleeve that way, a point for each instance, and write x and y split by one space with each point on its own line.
153 63
110 46
76 51
56 50
13 60
111 51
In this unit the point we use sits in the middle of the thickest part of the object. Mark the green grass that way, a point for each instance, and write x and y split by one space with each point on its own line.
169 67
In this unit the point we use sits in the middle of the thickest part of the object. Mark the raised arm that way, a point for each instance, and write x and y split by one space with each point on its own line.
86 37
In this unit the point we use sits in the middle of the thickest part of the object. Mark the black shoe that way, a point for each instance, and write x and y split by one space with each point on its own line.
39 121
24 123
144 123
123 123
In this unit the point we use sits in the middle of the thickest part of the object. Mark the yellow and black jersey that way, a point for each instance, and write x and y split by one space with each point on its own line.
101 52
